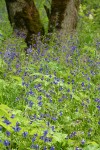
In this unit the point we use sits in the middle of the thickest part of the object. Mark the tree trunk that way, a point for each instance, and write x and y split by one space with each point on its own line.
64 15
24 17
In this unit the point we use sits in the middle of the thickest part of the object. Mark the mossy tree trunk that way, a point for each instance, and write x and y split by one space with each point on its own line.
24 16
64 15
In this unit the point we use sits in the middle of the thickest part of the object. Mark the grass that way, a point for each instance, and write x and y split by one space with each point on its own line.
50 98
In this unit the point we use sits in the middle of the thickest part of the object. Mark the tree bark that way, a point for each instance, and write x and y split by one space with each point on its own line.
24 18
64 15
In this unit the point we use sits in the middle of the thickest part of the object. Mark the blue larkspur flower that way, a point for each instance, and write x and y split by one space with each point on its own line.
33 139
83 142
45 148
6 143
98 107
52 128
46 139
39 97
54 118
82 84
33 146
7 122
8 133
30 104
40 103
42 137
25 134
52 148
16 128
45 132
13 116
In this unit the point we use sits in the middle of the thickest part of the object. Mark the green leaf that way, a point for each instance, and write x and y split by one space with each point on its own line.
59 137
17 78
91 147
92 143
71 142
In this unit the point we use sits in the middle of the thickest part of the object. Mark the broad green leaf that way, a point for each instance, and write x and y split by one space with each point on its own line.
17 78
92 147
71 142
59 137
93 143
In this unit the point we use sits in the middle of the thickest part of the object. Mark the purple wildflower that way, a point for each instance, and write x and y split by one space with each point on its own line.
33 139
7 122
6 143
35 146
82 84
13 116
83 142
25 134
30 104
45 132
98 107
40 103
16 128
52 148
8 133
52 128
54 118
